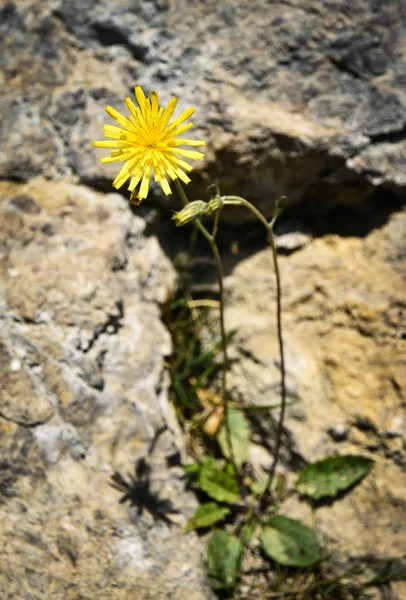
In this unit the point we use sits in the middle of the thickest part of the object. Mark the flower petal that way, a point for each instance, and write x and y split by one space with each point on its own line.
119 117
185 115
193 154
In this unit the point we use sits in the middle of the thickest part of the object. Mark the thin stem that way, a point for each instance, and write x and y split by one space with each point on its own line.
220 278
211 238
216 224
181 192
279 430
237 200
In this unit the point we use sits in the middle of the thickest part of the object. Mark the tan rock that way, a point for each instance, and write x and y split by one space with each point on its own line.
346 364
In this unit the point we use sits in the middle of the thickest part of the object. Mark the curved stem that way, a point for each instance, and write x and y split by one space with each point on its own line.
216 224
237 200
211 238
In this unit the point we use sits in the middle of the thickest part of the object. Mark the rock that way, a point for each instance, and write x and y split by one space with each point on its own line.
83 394
339 433
305 102
296 98
346 362
290 242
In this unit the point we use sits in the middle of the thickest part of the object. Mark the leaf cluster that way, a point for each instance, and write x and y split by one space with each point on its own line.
228 488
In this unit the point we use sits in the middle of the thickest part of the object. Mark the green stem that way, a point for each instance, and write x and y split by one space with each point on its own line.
211 238
216 224
237 200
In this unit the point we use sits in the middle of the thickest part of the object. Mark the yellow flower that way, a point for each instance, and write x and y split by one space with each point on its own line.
149 144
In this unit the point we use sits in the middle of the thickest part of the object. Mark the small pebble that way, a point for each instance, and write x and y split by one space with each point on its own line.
15 365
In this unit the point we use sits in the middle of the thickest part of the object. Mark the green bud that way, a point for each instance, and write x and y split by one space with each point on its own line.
279 206
214 205
191 212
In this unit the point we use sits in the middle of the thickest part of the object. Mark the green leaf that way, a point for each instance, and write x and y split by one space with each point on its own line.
206 515
192 469
180 392
289 542
204 376
218 484
239 436
248 531
223 560
258 486
177 303
332 475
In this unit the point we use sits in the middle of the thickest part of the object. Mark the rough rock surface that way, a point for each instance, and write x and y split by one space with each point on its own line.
83 393
304 100
344 318
296 97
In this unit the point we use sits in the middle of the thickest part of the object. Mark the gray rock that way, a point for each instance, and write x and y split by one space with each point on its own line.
83 394
305 99
309 102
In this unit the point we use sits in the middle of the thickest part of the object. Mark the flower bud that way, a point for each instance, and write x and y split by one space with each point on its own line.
280 204
191 212
214 205
213 191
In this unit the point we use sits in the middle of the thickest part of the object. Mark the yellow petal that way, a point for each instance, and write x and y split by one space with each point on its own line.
181 163
168 112
185 115
154 104
106 144
113 129
167 135
109 159
165 186
112 135
169 168
118 117
186 142
124 172
139 94
145 182
189 153
134 182
182 175
131 106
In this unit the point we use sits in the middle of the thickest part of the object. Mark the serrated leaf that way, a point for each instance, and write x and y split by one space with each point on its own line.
239 436
218 484
223 560
206 515
289 542
330 476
